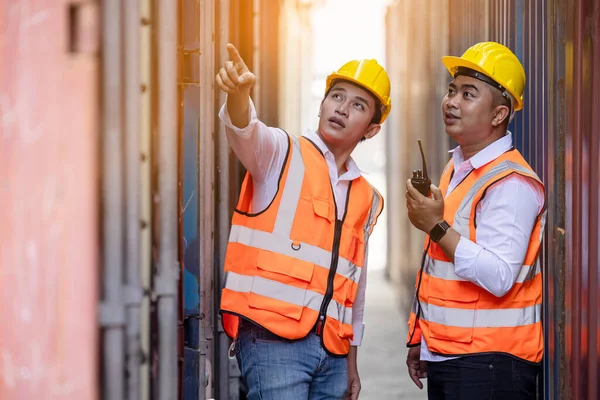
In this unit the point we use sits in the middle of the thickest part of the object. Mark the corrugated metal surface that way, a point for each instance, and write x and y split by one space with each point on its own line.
555 366
416 40
582 123
559 45
210 175
196 66
49 200
146 266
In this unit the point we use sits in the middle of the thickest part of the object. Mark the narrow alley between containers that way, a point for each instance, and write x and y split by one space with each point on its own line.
122 201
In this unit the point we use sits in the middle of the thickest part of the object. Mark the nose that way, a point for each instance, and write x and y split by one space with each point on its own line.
451 101
342 108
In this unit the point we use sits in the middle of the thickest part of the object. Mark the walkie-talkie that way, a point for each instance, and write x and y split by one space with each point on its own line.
420 179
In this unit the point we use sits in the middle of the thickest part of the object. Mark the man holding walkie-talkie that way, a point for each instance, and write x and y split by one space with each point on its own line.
475 327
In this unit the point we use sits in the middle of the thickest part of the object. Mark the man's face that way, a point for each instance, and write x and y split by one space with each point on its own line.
346 115
468 110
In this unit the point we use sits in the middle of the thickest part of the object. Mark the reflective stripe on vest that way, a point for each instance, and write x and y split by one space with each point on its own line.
463 214
492 318
289 294
446 270
283 245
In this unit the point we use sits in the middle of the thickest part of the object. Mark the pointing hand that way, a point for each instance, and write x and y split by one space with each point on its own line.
235 75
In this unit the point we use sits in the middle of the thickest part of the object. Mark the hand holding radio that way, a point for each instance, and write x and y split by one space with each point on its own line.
424 210
420 180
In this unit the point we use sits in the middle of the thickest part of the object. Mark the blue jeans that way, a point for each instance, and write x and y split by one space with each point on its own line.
278 369
482 377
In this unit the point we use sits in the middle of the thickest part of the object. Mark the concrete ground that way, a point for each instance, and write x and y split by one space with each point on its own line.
382 355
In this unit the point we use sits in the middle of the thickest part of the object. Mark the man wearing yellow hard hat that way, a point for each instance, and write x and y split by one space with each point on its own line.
293 296
475 328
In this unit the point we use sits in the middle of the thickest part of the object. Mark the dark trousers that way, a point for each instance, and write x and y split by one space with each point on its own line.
489 377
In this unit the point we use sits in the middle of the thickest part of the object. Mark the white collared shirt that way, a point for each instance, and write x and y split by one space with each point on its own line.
262 150
503 229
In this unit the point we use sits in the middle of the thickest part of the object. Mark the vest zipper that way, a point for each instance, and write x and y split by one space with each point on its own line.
335 254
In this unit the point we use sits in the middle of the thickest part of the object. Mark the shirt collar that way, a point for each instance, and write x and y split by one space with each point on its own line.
352 170
487 154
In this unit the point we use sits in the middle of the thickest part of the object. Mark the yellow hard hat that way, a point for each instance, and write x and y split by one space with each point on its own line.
369 75
496 62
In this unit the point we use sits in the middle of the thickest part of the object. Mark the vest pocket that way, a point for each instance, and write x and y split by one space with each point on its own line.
280 284
345 310
452 320
322 208
345 331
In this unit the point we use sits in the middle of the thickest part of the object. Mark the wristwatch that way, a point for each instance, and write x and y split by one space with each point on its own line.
438 231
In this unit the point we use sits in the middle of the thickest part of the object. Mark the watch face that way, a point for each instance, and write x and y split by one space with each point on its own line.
439 231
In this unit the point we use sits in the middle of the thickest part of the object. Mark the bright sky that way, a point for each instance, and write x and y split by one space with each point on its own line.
346 30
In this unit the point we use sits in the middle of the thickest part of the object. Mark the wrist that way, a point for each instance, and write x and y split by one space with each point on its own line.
352 358
439 221
439 230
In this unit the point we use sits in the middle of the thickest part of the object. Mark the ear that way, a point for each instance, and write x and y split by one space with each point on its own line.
372 130
500 114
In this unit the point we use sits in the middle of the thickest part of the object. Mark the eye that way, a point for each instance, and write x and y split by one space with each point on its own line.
359 106
468 95
337 96
451 91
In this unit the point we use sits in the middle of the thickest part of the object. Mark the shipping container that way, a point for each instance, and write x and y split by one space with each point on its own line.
49 200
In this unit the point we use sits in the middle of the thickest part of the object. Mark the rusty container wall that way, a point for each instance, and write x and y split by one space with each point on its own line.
227 374
555 365
581 182
210 175
49 200
145 190
205 368
196 176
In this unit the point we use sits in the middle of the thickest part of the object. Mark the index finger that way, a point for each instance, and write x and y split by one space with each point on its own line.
415 378
234 55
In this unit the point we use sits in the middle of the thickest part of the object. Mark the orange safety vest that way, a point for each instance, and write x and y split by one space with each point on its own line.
456 316
295 264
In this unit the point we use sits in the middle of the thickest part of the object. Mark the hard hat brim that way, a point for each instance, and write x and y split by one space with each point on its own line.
452 63
335 76
332 77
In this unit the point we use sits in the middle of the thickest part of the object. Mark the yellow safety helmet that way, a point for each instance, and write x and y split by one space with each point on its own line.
369 75
495 61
